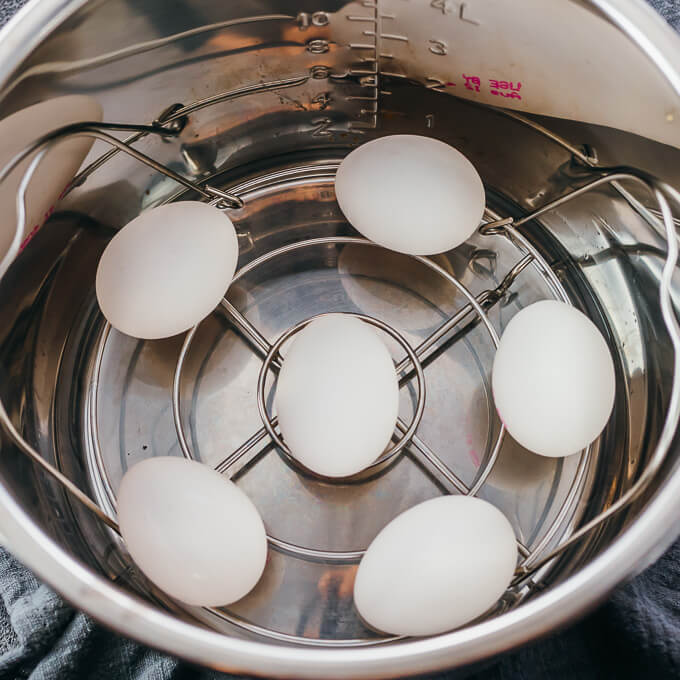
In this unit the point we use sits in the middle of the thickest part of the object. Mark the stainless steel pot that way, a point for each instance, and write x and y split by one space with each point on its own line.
571 113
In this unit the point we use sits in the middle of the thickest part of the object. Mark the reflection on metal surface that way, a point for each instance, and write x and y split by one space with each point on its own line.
66 67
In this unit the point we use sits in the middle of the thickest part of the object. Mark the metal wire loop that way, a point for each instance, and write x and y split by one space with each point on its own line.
99 131
227 200
496 227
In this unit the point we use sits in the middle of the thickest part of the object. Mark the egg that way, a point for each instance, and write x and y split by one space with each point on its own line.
553 379
57 167
167 269
412 194
435 567
192 532
337 396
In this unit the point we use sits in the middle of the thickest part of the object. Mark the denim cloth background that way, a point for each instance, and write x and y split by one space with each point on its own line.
636 634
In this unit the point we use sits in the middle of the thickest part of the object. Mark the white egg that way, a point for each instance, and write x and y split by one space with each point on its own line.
56 169
167 269
337 396
193 532
553 379
412 194
436 566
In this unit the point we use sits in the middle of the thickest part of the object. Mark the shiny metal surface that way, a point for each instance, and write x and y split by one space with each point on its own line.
271 96
309 274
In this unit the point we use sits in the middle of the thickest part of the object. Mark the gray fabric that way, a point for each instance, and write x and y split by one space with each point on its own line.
8 9
669 10
44 638
636 634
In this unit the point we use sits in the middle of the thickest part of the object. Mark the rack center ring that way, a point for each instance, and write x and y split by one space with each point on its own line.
323 241
404 437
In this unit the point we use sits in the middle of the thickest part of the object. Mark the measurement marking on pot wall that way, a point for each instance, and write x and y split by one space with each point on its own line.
447 7
369 68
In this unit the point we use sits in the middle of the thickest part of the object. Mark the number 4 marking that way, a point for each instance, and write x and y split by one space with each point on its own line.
449 7
446 6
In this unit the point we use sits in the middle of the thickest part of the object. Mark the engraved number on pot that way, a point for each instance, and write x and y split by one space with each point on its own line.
450 7
323 99
445 6
317 46
439 47
304 19
321 126
436 84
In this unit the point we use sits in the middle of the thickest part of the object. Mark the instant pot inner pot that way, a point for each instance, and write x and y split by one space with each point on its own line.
95 402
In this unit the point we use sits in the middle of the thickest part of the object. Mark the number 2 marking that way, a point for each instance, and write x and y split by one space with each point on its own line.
322 125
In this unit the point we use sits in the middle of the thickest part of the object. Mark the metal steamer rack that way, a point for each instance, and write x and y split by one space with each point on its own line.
532 557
